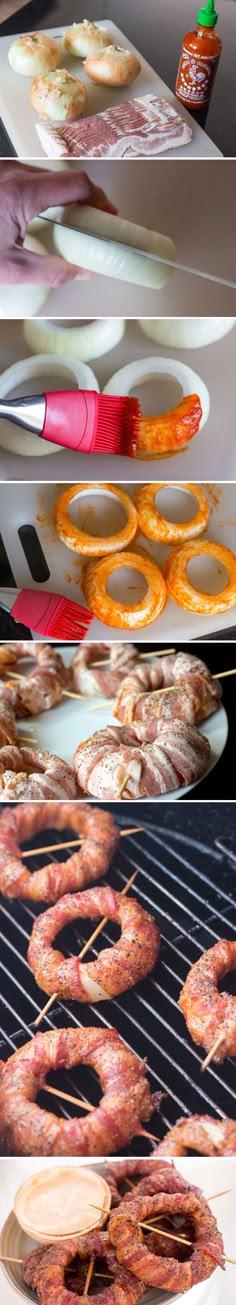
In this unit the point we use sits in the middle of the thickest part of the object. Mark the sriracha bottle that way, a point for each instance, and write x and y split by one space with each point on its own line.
199 60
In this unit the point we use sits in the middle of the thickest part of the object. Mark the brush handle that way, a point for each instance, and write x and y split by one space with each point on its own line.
36 609
71 419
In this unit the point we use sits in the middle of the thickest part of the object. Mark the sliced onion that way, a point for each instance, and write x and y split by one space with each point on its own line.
13 297
186 332
94 990
18 440
86 342
145 369
84 245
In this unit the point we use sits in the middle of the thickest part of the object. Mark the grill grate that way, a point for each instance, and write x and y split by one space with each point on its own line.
187 883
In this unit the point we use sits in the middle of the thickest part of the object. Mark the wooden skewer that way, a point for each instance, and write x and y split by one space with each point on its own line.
75 1101
122 787
181 687
162 652
88 1277
85 949
27 738
215 1194
150 1228
212 1052
144 1133
73 842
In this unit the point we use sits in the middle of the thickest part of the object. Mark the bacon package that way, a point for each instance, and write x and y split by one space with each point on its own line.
143 126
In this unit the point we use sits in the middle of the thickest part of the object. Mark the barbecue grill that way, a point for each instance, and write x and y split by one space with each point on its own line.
187 881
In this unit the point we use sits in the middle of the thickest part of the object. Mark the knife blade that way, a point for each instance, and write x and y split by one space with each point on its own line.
157 258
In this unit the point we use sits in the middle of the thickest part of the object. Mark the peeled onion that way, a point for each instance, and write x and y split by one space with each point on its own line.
14 298
86 342
83 245
186 332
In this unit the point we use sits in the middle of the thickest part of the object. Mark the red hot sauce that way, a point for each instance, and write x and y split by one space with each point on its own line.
199 60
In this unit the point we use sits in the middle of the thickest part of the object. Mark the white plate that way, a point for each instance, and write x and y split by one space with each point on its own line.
69 723
20 118
35 503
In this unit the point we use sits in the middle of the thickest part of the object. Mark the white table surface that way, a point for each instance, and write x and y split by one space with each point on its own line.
20 118
213 1175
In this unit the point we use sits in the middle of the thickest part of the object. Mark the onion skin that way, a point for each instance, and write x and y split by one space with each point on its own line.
168 433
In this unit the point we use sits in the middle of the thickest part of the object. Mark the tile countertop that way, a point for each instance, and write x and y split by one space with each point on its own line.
212 1175
157 29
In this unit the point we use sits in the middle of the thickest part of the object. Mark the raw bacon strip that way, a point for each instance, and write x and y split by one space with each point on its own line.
88 680
7 724
144 126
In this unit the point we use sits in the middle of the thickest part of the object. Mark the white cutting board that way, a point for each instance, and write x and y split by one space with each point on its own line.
34 504
20 118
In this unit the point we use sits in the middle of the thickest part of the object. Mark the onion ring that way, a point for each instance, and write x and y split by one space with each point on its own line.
166 433
46 1272
116 613
92 545
207 1011
26 1129
185 332
184 593
86 342
155 526
116 969
18 824
164 1271
74 374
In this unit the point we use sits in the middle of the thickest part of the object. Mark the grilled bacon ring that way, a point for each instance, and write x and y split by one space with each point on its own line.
17 825
25 1129
154 526
207 1011
116 968
46 1272
164 1271
154 1175
185 594
200 1133
120 614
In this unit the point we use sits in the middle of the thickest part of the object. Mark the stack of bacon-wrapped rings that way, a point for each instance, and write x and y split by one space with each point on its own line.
126 1101
184 1250
157 743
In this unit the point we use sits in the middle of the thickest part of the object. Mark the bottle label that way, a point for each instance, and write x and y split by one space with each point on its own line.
195 77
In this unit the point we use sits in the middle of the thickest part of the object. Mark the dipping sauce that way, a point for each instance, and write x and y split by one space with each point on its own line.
58 1202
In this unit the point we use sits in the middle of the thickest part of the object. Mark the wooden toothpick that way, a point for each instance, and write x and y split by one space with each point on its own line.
122 786
212 1052
85 949
73 842
75 1101
88 1277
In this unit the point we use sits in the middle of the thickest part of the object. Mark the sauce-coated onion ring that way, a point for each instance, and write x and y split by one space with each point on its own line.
179 587
155 526
92 545
165 434
119 614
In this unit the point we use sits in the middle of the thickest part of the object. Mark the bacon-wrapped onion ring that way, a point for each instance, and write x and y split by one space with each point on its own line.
154 1176
25 1129
29 773
94 545
116 969
92 679
185 594
155 526
178 756
45 1273
200 1133
118 614
207 1011
159 1270
17 825
43 687
7 724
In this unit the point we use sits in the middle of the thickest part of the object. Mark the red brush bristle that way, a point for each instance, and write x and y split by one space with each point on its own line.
117 425
71 620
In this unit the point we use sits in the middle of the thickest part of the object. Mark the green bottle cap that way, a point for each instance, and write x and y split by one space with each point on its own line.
208 17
